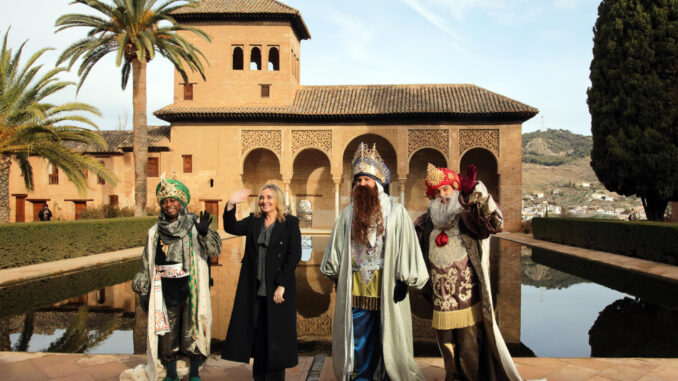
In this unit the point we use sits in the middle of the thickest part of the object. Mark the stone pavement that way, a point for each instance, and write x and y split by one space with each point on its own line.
22 366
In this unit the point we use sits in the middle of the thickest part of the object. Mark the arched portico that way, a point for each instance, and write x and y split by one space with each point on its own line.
416 202
260 166
312 180
486 163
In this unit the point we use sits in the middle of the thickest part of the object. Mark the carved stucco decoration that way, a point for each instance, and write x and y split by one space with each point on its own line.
320 139
484 138
438 139
270 139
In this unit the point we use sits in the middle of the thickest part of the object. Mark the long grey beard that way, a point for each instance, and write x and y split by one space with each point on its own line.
445 215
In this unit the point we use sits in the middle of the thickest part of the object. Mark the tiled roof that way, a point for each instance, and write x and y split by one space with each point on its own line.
123 140
243 10
370 102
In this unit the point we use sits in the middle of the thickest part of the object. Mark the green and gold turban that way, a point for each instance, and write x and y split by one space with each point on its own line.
172 188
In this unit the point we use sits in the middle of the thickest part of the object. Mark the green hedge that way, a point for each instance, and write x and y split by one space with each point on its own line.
29 243
654 241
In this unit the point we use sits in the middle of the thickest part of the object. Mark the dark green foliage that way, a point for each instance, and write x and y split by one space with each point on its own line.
632 100
35 294
634 328
654 241
29 243
565 145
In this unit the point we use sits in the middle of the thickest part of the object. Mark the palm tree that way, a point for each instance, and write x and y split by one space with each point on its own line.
134 30
31 126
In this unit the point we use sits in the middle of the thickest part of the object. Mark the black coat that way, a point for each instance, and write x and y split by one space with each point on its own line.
284 252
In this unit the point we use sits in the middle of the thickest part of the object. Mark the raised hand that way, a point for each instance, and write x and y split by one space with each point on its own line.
203 225
237 197
468 182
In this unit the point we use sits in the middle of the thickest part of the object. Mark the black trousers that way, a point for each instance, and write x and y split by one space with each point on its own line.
260 369
179 338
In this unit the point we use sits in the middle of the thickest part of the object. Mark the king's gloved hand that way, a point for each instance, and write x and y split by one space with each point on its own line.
203 225
143 301
468 182
400 291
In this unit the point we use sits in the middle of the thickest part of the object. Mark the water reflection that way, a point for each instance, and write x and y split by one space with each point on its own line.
634 328
558 314
566 316
538 275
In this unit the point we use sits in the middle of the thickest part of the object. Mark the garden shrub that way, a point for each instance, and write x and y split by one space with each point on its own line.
654 241
29 243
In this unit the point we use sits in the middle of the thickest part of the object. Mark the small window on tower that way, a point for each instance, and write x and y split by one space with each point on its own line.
255 59
152 167
265 91
188 163
188 91
273 59
237 58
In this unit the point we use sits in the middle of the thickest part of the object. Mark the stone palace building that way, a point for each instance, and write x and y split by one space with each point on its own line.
252 122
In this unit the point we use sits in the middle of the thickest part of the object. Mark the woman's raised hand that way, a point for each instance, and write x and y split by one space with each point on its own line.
239 196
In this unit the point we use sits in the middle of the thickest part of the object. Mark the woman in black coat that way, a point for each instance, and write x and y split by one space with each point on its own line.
264 318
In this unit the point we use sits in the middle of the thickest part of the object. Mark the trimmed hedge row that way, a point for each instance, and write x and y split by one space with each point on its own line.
654 241
29 243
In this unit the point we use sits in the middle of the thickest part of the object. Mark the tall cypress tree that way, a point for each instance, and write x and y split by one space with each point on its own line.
633 100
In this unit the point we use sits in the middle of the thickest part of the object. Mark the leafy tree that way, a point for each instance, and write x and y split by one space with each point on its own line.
134 30
32 126
632 100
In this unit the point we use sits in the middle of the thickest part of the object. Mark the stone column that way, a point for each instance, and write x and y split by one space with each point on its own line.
286 185
402 182
337 183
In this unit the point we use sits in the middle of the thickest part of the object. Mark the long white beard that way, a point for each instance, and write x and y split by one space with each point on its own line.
445 215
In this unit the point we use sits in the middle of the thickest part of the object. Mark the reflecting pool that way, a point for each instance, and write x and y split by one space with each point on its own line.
560 314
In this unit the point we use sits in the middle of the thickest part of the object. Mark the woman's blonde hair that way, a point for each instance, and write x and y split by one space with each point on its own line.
279 202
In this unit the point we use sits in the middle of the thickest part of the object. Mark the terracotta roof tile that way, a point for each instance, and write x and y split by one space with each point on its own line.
243 10
122 140
438 101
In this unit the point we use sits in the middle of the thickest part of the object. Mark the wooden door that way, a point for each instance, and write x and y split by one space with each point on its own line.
20 209
212 207
79 207
37 205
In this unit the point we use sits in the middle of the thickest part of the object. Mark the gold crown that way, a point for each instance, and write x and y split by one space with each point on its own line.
368 161
173 188
434 175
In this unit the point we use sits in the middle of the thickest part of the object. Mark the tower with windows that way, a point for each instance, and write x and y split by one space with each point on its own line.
253 56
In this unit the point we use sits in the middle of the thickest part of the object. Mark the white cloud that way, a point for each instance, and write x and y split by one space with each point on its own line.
435 19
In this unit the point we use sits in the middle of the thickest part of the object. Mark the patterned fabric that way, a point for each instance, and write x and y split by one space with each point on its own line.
456 296
171 271
161 319
367 259
193 286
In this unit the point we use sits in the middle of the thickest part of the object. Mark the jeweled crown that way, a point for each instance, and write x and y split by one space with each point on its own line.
368 161
172 188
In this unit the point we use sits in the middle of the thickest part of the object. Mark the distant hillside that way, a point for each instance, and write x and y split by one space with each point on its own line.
555 147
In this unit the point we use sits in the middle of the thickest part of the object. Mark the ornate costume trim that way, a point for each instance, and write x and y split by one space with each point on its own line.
458 319
171 271
160 312
365 302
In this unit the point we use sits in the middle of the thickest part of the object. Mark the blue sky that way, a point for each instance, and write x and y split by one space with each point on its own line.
534 51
